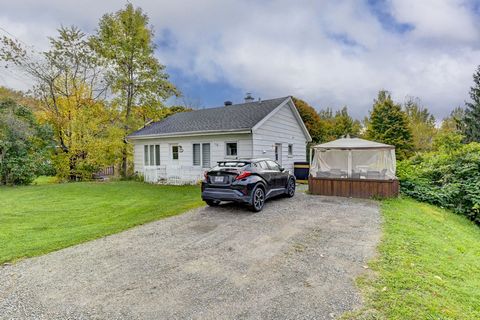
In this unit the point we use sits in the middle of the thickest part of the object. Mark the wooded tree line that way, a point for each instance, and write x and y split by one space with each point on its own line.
409 126
89 92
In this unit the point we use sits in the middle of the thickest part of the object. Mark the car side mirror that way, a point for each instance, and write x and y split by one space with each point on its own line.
282 169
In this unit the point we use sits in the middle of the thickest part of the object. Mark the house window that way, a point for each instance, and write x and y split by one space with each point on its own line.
175 152
231 148
278 152
290 150
201 154
151 155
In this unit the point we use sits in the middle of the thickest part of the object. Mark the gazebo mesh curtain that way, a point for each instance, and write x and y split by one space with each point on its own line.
353 163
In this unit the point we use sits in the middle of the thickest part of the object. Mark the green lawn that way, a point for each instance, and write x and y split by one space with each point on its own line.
42 218
428 266
42 180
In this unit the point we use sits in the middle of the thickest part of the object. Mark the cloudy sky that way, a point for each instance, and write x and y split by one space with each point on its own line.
329 53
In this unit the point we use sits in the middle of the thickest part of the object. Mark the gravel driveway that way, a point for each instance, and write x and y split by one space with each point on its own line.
295 260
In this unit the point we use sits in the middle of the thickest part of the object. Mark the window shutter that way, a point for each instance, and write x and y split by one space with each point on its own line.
206 155
196 154
145 155
152 155
157 155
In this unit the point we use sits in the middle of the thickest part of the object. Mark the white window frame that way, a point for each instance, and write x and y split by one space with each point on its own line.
227 156
278 152
201 143
171 152
147 156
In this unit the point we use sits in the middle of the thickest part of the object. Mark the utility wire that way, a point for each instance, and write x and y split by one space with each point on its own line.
16 38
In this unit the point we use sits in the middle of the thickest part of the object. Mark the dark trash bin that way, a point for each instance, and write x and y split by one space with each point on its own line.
301 170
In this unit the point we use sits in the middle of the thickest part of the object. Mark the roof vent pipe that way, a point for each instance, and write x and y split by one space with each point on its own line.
228 103
249 98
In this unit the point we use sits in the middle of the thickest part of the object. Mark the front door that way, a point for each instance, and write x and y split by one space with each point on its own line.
278 153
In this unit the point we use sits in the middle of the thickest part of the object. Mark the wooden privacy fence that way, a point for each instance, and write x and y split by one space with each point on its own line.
356 188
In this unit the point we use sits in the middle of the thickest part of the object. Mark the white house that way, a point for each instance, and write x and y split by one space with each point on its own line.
180 148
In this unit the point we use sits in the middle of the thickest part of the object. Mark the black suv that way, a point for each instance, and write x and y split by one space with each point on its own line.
249 181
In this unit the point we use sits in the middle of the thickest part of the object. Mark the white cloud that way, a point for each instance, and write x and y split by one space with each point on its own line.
329 53
445 21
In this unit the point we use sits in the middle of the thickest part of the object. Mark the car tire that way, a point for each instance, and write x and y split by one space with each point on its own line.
258 199
290 189
212 203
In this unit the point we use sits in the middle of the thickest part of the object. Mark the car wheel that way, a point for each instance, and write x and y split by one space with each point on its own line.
290 188
212 203
258 199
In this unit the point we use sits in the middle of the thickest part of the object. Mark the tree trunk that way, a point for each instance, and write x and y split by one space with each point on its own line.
127 120
124 168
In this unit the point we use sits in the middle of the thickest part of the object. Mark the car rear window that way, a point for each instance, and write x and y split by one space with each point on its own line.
232 164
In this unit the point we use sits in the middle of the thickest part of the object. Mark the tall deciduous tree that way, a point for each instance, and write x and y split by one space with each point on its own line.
345 125
311 119
325 125
389 124
20 97
137 78
449 136
327 119
422 123
472 111
455 121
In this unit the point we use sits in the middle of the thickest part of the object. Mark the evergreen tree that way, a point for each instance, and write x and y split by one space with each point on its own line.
472 111
389 124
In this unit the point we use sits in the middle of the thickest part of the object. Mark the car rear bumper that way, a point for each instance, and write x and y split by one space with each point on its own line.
225 195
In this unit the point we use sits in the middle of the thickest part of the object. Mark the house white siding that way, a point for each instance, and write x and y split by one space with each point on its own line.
281 128
184 168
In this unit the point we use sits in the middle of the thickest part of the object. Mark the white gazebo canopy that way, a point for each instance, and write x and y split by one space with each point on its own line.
353 158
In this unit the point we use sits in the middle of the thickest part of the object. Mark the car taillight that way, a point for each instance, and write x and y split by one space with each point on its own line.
243 175
205 175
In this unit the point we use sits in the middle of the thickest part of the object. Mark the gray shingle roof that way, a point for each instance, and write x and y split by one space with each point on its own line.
234 117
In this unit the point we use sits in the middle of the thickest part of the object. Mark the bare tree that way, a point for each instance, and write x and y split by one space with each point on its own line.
70 72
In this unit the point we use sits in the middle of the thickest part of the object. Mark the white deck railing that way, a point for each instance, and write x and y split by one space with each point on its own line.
175 175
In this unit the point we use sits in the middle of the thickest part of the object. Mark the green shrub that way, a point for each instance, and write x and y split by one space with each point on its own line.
25 145
449 178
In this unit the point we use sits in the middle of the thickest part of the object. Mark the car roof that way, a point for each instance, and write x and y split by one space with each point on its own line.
246 160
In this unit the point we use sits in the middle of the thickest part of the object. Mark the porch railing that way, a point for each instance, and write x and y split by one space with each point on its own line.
173 175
